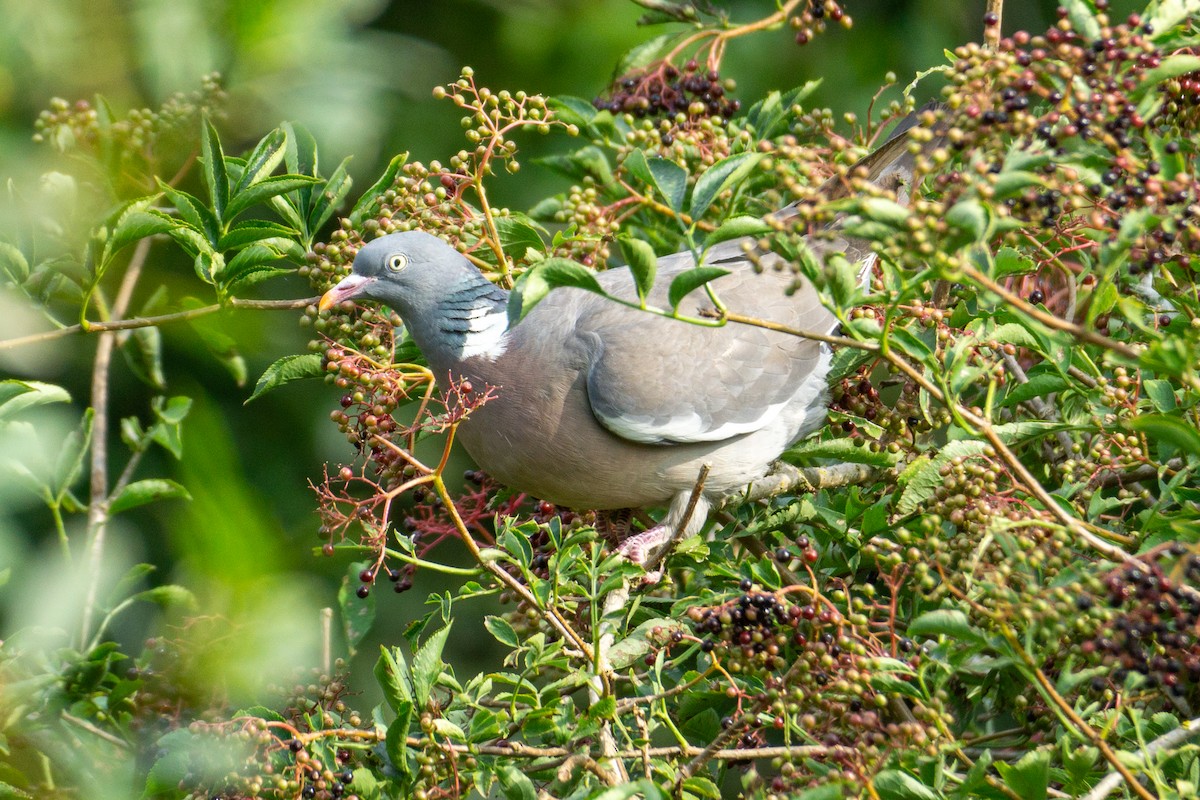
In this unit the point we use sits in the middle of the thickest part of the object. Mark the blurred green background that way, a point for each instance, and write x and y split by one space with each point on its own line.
358 74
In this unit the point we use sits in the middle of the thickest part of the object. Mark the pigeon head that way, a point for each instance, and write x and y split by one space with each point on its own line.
408 271
449 308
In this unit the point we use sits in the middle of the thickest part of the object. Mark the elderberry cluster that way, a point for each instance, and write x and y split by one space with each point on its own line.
665 90
1154 630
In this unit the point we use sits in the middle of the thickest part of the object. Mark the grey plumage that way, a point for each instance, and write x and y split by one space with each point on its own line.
600 406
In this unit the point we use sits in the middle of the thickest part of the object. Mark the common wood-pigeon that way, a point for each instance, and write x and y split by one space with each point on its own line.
603 406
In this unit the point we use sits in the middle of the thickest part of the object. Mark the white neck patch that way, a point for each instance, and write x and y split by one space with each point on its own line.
485 334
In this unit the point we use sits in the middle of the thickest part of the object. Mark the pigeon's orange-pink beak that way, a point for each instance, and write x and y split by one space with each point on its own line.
350 287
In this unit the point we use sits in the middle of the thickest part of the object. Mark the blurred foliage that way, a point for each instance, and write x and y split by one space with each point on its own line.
961 631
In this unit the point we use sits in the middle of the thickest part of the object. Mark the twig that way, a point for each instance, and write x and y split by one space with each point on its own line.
97 518
1112 780
681 526
147 322
991 33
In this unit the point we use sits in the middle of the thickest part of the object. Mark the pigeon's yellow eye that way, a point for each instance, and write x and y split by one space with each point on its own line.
397 262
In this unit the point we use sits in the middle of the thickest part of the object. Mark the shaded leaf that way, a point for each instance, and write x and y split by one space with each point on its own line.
643 264
514 783
946 622
892 784
428 665
368 204
358 613
140 493
69 462
1029 777
535 283
17 395
215 175
390 673
288 369
686 282
666 177
720 177
266 189
1170 430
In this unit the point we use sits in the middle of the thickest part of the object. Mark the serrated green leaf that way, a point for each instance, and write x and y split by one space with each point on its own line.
517 236
502 631
392 675
1029 778
922 485
143 352
514 783
263 160
264 190
254 230
396 739
216 177
69 463
287 369
357 613
195 213
1010 261
140 493
643 265
736 228
844 449
892 784
136 221
17 395
668 178
946 622
572 110
1170 430
1161 394
688 281
14 263
371 199
1039 385
251 264
970 217
535 283
428 665
331 197
720 177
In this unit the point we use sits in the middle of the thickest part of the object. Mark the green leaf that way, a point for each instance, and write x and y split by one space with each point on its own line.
882 209
139 493
396 741
266 189
329 199
843 449
428 665
514 783
946 622
288 369
892 784
668 178
644 788
517 236
1039 385
572 110
502 630
254 230
736 228
358 613
1171 66
215 176
17 395
1169 430
143 353
688 281
1028 778
922 484
642 263
168 596
251 264
720 177
69 462
1161 394
263 160
970 217
586 162
368 204
535 283
14 263
390 672
195 213
1010 261
136 221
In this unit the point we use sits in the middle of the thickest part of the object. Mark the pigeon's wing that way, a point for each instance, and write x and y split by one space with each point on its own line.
655 379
